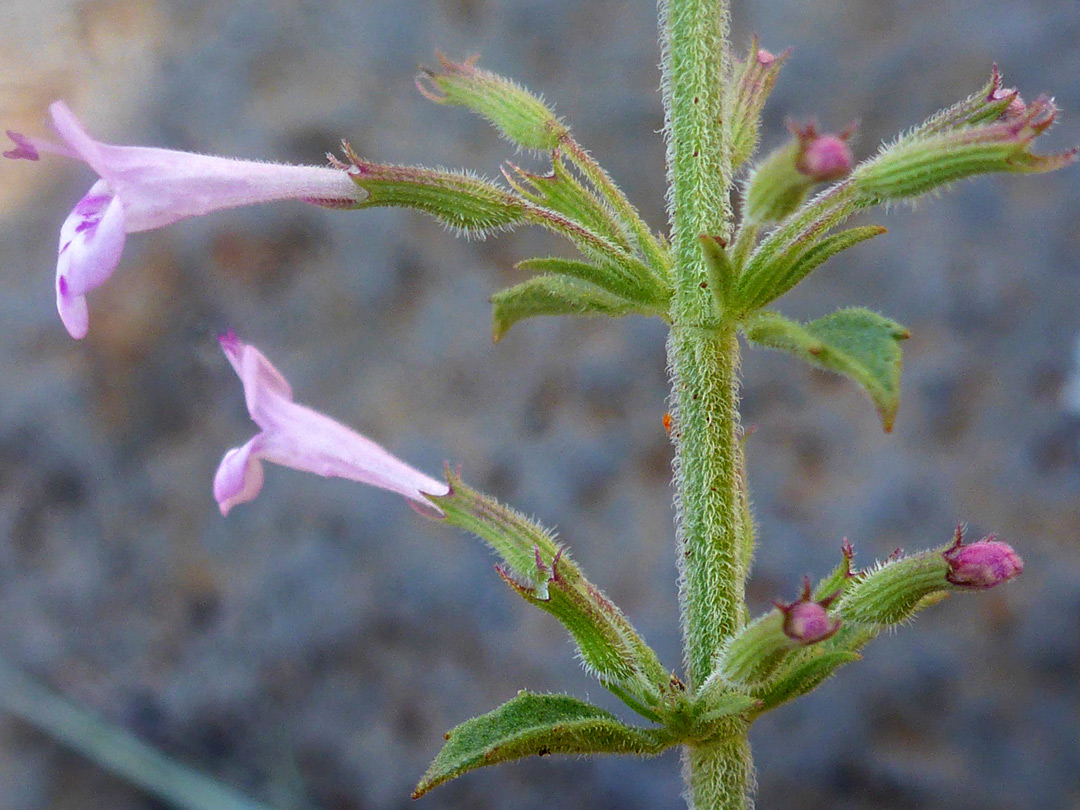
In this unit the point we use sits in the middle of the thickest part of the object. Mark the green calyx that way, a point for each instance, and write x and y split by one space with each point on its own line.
936 156
751 84
521 117
470 204
541 571
891 592
776 188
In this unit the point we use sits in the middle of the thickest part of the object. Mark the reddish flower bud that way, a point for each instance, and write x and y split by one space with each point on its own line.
807 621
823 157
981 565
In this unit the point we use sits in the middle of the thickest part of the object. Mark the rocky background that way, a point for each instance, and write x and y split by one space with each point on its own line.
311 649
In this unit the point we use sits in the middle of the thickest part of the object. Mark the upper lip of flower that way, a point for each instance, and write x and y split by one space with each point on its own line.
141 188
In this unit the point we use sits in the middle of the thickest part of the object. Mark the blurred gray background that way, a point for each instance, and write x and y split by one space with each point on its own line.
312 648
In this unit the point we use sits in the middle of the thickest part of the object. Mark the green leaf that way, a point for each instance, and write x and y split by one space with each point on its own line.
726 705
804 677
562 192
596 247
533 724
855 342
624 280
722 272
770 280
556 295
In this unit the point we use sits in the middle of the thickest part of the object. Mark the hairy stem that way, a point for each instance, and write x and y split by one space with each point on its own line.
704 365
719 774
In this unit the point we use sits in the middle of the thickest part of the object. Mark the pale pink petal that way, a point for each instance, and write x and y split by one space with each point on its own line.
239 477
78 139
73 311
91 241
261 380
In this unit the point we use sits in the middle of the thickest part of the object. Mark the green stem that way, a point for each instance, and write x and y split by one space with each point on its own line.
704 366
712 770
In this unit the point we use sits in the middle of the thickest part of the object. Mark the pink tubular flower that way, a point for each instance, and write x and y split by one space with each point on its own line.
296 436
141 188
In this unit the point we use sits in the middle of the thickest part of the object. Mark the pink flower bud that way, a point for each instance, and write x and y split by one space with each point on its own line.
807 621
823 157
981 565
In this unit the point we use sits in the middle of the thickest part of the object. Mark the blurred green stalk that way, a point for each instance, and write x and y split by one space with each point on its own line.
112 748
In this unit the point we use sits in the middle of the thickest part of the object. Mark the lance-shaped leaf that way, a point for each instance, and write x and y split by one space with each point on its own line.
721 271
805 227
917 164
652 246
753 81
558 295
726 704
855 342
527 121
767 281
622 279
597 248
806 674
537 725
522 117
561 191
542 572
463 201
